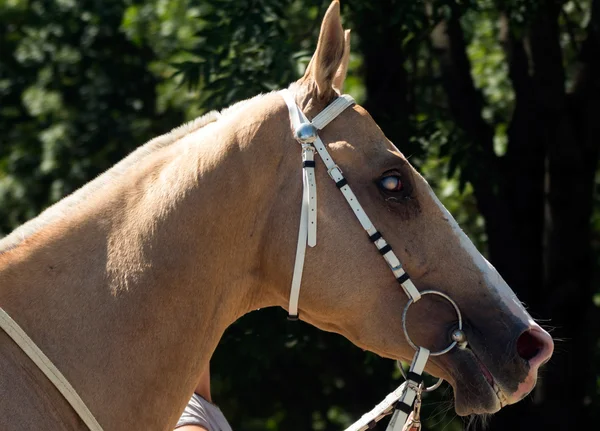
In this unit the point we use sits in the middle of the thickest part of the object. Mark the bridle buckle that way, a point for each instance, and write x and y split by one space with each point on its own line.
395 268
334 167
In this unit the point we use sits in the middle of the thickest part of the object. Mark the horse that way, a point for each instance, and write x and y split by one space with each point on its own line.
128 284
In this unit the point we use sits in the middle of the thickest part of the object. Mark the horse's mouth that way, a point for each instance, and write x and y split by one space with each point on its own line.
500 394
490 379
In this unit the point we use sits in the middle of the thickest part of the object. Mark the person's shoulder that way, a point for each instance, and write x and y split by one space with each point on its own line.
194 416
215 417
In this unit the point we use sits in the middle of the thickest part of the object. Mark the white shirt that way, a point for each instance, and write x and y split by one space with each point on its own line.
203 413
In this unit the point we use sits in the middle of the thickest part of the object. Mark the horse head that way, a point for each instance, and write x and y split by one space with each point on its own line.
347 287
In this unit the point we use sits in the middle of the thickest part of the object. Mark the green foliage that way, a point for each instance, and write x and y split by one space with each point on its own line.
76 96
84 82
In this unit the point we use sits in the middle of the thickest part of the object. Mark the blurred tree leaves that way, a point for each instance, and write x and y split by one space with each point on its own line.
75 96
84 82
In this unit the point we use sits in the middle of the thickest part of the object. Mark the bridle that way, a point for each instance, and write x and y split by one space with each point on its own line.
407 397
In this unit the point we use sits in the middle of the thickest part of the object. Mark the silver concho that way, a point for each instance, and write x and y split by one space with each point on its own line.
306 133
460 337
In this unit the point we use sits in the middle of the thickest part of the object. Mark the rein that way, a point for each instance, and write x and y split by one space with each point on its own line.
45 365
406 398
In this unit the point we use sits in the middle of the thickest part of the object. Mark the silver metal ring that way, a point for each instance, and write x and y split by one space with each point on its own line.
428 389
434 386
446 297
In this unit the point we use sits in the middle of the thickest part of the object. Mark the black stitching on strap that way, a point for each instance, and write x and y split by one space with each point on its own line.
385 249
308 164
417 378
375 236
341 183
402 406
403 278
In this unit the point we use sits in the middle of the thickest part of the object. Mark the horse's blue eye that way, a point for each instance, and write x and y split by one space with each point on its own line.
391 183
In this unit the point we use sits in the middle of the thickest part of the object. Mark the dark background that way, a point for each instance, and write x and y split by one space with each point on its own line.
496 102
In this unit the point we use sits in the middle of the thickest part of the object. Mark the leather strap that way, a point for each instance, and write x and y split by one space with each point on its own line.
307 231
405 393
408 396
334 109
38 357
309 195
380 411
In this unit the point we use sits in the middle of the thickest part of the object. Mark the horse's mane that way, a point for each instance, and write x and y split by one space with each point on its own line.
66 205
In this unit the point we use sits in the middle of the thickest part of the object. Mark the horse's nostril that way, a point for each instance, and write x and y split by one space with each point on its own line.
528 346
532 344
536 347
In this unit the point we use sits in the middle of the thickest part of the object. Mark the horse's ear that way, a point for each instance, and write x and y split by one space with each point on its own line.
328 55
340 75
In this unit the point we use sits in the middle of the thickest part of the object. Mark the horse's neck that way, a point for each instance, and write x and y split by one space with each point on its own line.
130 295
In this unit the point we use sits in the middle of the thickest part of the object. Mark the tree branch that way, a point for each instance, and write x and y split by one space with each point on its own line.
587 78
386 79
546 57
464 99
524 187
518 61
466 104
547 136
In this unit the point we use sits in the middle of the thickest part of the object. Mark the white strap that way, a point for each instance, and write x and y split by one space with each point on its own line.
410 289
408 397
310 195
334 109
357 208
379 411
337 175
299 263
419 360
47 367
293 109
402 393
396 267
307 231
